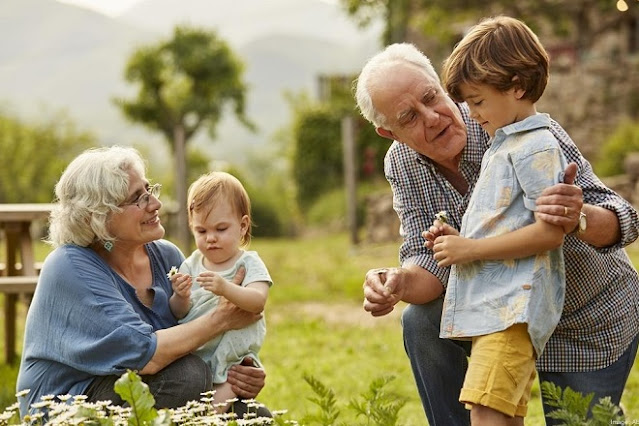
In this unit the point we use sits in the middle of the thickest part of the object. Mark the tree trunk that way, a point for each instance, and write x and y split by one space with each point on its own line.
183 236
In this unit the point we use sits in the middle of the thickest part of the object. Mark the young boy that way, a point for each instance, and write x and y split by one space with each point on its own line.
507 284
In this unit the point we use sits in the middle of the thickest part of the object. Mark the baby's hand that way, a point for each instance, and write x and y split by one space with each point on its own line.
181 284
212 282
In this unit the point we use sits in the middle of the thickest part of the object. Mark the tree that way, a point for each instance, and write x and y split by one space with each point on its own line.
35 154
395 13
184 84
582 21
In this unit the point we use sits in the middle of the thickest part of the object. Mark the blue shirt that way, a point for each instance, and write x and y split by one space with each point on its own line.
487 296
86 321
601 309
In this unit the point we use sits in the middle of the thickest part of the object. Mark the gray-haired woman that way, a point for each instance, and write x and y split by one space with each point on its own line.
101 303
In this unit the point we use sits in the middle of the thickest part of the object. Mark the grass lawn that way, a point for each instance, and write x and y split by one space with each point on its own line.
316 326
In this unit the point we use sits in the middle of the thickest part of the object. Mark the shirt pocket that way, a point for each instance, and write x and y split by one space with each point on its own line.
494 191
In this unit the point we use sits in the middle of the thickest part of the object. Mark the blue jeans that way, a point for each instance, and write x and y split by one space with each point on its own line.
439 367
179 382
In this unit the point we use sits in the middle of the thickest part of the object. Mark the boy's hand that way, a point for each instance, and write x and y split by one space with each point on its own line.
451 249
437 229
181 284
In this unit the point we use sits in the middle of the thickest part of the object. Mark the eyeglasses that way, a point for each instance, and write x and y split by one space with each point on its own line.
143 200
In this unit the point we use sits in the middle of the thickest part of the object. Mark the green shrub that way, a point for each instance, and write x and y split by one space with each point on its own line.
624 140
266 220
330 208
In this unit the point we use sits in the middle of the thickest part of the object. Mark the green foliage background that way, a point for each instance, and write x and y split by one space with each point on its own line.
33 155
611 157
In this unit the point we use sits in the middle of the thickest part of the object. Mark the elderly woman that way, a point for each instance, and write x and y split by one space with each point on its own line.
102 301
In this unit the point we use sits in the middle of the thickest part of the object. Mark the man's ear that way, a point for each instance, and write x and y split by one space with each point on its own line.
385 133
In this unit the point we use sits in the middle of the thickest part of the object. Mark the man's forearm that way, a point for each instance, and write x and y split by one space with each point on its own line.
421 286
603 228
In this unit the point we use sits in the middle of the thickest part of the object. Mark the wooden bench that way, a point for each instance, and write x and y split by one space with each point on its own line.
12 287
3 268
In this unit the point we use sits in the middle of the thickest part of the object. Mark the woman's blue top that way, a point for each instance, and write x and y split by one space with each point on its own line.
86 321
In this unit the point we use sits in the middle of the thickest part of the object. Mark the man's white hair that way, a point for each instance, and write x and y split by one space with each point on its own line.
392 54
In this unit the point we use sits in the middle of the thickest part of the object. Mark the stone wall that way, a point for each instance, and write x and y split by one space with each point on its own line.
591 97
627 184
381 221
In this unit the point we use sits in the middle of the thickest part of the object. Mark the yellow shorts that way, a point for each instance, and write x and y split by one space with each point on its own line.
501 371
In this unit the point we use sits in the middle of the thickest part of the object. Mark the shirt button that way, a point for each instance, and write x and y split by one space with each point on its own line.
526 286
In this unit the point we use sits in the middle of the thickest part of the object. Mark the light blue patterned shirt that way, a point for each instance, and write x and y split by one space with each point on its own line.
601 309
485 297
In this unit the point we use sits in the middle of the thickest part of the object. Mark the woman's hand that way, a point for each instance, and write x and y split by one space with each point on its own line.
230 317
246 380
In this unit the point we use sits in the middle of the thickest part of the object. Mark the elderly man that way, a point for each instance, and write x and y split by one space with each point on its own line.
433 165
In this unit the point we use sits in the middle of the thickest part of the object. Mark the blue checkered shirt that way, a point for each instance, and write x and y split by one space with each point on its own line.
601 313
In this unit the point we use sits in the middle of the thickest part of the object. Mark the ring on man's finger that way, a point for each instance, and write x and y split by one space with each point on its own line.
565 211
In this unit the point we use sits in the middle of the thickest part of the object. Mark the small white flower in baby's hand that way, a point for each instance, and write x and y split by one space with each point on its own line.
442 216
172 272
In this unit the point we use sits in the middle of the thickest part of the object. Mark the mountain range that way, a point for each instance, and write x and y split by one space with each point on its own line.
55 56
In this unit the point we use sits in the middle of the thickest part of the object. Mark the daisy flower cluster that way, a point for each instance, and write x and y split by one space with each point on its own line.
442 216
68 410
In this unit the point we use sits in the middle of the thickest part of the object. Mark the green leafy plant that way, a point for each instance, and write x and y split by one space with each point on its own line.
572 407
377 406
325 400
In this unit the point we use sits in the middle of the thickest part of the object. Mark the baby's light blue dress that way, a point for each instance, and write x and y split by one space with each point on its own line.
231 347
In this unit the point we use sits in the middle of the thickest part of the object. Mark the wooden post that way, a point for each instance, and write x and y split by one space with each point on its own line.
183 236
350 175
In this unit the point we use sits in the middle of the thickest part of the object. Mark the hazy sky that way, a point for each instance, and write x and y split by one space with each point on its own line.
115 7
107 7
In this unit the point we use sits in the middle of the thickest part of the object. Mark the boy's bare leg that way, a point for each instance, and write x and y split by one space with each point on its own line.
484 416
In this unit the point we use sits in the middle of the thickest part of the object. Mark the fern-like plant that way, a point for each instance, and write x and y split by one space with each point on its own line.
572 407
377 406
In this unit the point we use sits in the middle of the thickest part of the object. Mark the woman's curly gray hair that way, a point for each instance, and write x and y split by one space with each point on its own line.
92 187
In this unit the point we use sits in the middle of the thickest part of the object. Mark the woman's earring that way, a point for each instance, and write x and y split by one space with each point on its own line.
108 246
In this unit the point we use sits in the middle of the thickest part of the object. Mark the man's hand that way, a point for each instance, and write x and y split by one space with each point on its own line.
246 380
561 204
383 288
